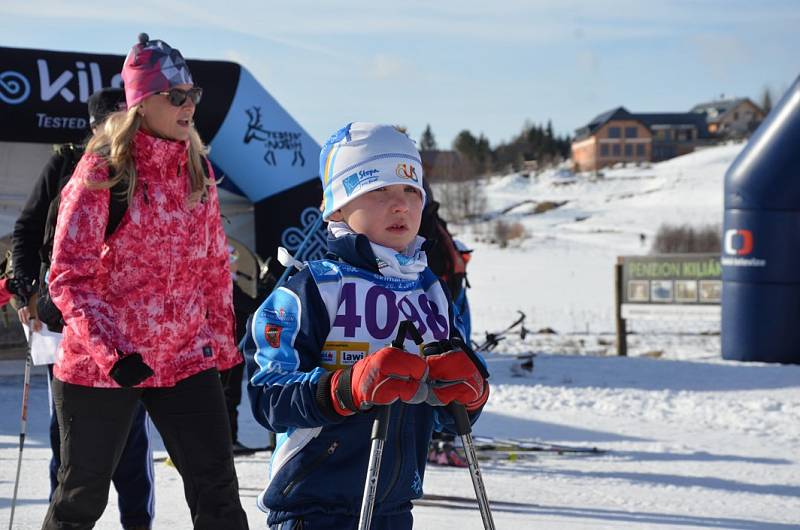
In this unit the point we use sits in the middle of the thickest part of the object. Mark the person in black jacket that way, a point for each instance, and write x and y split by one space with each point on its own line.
243 306
31 247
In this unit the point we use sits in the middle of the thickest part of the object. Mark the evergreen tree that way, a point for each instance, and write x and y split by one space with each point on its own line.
534 142
427 142
766 100
466 144
483 154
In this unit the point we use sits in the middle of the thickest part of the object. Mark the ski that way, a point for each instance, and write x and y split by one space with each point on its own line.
485 443
495 455
468 503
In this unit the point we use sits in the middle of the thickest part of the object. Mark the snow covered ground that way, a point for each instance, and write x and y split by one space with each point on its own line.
691 441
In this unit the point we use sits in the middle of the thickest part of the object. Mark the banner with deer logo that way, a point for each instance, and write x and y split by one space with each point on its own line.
262 148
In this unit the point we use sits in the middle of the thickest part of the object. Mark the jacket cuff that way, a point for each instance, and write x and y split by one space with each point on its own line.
324 399
478 404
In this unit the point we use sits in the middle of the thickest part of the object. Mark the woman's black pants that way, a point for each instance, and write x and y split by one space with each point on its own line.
193 422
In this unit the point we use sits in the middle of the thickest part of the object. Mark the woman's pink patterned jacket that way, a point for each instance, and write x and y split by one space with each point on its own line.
160 285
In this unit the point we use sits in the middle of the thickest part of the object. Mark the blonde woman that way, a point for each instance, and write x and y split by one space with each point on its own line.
148 310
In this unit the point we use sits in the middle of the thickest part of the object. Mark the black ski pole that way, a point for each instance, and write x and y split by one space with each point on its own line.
26 386
380 428
464 430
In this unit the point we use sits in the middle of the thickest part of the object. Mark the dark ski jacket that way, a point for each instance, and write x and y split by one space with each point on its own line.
29 227
29 249
317 323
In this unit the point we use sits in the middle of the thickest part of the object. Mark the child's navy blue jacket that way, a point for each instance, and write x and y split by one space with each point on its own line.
328 316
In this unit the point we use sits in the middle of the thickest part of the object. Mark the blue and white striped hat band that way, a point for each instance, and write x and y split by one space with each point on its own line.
361 157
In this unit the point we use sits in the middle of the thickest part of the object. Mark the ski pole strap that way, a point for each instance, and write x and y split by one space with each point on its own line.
400 339
406 328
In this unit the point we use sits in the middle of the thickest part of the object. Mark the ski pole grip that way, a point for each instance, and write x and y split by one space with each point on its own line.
380 427
459 413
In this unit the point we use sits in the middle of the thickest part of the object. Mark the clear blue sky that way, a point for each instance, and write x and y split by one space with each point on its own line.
484 66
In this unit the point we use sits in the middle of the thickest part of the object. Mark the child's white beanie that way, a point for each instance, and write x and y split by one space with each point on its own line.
361 157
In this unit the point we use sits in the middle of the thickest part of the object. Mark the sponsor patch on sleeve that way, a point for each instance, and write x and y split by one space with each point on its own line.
272 332
338 355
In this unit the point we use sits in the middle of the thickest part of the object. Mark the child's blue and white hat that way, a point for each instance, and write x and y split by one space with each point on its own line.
361 157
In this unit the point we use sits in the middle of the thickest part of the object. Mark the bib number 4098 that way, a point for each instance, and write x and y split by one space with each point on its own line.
382 310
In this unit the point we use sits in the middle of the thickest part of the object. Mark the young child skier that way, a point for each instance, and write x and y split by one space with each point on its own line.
318 352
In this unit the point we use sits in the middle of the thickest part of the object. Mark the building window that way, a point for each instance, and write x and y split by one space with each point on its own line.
640 150
631 132
628 150
615 149
603 149
614 132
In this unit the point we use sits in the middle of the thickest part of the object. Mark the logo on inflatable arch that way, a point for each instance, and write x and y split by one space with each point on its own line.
738 242
14 87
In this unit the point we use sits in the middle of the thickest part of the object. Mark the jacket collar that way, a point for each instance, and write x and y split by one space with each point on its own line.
353 249
159 151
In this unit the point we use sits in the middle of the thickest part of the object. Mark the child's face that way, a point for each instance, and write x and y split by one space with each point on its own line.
389 216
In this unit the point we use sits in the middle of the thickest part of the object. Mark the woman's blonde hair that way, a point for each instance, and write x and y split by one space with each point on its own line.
114 141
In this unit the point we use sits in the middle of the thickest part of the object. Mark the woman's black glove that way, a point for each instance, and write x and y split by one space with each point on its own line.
130 370
47 312
23 288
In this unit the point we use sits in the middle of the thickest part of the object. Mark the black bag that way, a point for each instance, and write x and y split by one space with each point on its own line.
46 310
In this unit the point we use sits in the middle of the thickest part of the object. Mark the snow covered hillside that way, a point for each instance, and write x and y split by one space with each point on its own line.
615 208
561 274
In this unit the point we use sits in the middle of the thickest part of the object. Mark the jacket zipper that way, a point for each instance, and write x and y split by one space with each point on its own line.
398 462
310 467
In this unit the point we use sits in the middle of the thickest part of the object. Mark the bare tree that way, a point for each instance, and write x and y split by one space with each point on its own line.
460 193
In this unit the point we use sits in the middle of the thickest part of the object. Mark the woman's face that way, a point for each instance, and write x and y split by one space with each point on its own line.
163 119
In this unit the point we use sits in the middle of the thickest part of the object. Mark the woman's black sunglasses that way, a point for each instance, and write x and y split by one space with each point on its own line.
178 97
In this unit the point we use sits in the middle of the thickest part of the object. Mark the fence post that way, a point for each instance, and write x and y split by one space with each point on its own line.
622 334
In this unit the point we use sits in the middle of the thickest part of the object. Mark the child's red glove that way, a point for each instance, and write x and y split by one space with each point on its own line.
454 376
382 378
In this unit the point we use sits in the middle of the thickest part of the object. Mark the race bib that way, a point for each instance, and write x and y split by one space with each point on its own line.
370 313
